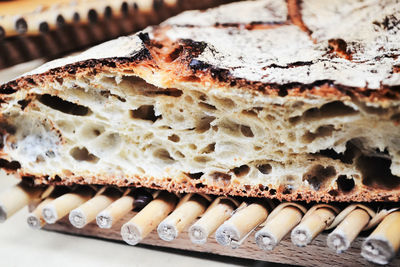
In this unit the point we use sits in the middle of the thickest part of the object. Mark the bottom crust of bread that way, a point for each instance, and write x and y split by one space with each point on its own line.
187 185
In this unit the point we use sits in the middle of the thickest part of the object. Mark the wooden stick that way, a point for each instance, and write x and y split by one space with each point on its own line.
121 207
384 242
148 218
87 212
35 218
313 225
181 217
272 233
344 234
17 197
115 211
210 221
62 205
240 225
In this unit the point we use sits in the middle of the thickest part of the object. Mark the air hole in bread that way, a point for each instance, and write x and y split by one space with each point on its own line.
346 157
167 92
208 149
322 131
272 192
224 103
204 124
9 165
64 106
250 112
180 154
221 177
345 184
230 127
201 159
82 154
318 175
329 110
174 138
163 155
246 131
264 168
91 131
241 170
376 172
145 112
196 175
207 106
192 146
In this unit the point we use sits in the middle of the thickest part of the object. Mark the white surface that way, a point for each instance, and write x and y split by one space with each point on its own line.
23 246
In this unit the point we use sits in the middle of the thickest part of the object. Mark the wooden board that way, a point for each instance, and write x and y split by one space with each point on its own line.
316 254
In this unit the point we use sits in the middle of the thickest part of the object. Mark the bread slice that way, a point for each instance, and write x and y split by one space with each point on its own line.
258 98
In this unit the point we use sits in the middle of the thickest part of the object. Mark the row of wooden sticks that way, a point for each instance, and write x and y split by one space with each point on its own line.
45 15
232 220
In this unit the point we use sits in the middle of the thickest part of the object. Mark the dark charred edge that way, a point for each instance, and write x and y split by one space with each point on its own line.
365 194
291 65
144 36
295 16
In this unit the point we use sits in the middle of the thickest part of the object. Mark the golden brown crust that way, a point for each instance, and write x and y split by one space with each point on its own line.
188 185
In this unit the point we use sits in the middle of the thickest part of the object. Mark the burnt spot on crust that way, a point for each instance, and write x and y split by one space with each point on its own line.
9 165
339 47
144 36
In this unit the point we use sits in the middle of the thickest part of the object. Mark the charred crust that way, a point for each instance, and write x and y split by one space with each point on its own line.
195 48
195 64
144 36
9 165
339 46
8 88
